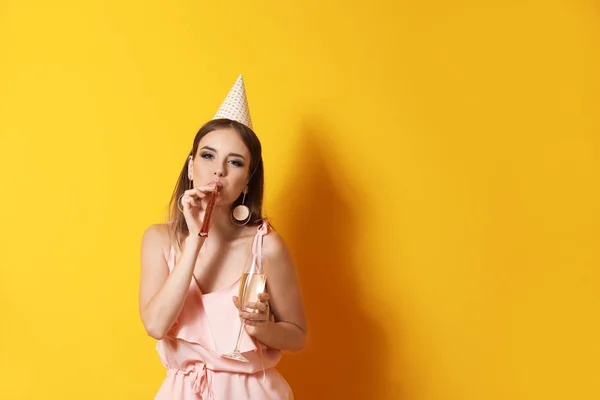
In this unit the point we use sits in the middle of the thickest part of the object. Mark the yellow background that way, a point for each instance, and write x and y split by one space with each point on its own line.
433 165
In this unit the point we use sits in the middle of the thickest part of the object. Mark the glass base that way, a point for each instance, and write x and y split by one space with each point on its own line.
235 355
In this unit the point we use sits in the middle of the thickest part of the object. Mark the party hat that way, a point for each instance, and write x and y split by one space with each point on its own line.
235 105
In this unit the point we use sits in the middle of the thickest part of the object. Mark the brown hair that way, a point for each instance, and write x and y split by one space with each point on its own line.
254 199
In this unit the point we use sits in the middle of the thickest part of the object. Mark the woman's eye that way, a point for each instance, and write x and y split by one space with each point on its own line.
236 163
207 156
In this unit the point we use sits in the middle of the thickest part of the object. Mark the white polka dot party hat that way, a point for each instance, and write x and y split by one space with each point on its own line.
235 105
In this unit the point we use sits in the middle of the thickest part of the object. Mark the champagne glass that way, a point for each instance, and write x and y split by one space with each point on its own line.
252 283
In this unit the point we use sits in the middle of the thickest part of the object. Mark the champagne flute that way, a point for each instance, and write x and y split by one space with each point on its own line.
252 283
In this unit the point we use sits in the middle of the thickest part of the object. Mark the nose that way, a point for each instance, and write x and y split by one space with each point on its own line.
219 173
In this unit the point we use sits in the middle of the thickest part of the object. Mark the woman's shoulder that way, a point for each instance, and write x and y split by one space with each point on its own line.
157 235
277 251
274 244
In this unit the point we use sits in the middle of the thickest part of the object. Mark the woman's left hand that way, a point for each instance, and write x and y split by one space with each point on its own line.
260 310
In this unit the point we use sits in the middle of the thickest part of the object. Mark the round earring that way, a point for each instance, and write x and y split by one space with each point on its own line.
240 215
180 202
180 199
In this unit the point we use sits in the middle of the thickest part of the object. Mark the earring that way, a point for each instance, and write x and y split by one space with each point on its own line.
240 215
180 199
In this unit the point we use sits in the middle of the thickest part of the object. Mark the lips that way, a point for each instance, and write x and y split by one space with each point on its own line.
219 184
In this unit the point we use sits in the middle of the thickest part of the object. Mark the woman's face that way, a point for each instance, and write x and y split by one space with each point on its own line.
222 156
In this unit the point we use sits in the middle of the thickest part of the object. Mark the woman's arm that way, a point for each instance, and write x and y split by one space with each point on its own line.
288 331
162 294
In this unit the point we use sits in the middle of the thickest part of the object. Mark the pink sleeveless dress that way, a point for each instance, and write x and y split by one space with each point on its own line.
207 327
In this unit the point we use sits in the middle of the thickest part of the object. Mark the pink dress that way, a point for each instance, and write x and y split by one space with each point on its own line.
207 327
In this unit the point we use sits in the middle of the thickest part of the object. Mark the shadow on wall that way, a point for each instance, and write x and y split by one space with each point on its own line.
345 357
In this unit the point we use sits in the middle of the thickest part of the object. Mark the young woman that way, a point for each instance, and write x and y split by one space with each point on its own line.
189 282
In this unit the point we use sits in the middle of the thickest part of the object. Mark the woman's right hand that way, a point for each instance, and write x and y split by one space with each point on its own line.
194 202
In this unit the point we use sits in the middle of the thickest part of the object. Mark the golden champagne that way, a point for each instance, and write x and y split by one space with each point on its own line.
251 285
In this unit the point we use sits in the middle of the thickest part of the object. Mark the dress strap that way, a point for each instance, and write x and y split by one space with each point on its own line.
257 243
170 258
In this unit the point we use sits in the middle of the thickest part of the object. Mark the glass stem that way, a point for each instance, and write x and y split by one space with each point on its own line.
237 343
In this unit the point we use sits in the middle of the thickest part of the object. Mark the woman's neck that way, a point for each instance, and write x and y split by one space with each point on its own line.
221 226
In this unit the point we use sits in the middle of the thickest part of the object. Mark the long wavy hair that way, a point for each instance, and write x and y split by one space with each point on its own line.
254 199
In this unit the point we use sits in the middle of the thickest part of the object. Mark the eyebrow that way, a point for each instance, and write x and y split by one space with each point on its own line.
231 154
